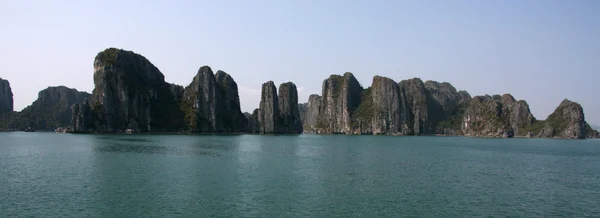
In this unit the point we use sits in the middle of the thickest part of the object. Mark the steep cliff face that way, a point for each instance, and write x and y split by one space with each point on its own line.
302 107
83 118
445 95
6 96
131 93
176 91
253 124
498 116
50 110
200 102
341 96
417 103
312 113
211 103
233 119
446 107
389 113
567 121
268 112
409 107
289 116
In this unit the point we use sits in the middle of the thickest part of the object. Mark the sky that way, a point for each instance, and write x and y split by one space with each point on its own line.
541 51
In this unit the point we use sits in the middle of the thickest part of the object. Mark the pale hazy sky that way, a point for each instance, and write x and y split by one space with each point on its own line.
540 51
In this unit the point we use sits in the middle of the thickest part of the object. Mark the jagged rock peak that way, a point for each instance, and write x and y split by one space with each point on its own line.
211 103
6 96
232 118
341 96
567 121
131 93
386 107
52 109
290 121
268 114
417 99
498 116
122 62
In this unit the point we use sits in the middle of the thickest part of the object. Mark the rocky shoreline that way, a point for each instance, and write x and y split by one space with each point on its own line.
130 93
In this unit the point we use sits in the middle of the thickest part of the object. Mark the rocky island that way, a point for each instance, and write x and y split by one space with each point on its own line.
131 94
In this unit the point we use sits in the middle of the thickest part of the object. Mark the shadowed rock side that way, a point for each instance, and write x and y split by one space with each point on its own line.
302 107
498 116
211 103
341 96
199 102
131 93
389 109
289 117
309 121
268 111
6 97
567 121
417 104
52 109
253 125
233 119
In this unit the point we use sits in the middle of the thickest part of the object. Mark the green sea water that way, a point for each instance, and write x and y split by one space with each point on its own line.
64 175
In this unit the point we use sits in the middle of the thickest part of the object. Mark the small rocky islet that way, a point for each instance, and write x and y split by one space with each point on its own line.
130 93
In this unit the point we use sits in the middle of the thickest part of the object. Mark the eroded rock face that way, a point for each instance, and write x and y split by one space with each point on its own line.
6 97
312 113
253 124
302 107
567 121
445 95
268 112
52 109
84 119
200 100
131 93
389 112
417 102
289 116
341 96
232 118
211 103
498 116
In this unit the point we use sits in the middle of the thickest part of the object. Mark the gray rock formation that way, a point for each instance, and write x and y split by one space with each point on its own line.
312 113
341 96
176 91
232 118
211 103
289 116
84 119
253 124
131 93
417 102
389 112
52 109
268 112
446 95
567 121
498 116
6 96
200 102
302 107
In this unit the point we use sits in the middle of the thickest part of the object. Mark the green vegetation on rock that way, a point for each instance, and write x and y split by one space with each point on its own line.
364 113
